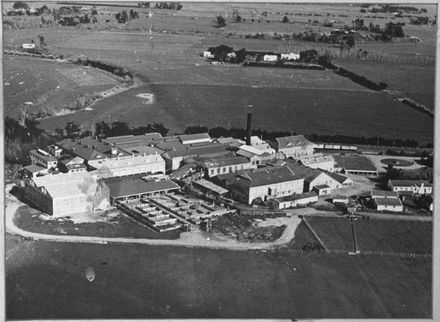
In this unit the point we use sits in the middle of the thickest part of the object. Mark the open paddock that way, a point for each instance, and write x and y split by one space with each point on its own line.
48 85
177 282
415 81
375 235
298 110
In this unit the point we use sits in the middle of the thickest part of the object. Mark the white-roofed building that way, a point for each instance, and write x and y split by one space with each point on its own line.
255 155
317 161
128 165
67 194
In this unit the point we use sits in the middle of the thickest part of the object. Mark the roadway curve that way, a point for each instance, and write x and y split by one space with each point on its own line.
191 239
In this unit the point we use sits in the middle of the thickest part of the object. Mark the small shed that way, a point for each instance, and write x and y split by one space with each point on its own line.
322 190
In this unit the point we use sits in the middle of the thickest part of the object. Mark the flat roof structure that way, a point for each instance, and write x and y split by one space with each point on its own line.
128 141
129 187
226 161
33 168
355 163
210 186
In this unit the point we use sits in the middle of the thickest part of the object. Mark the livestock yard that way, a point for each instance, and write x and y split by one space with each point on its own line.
163 156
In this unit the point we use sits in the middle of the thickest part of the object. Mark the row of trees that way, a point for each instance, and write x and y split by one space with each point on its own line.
124 16
325 138
107 129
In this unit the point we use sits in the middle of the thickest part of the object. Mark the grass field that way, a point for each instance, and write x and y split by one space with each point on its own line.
416 82
375 235
48 85
46 280
298 110
120 226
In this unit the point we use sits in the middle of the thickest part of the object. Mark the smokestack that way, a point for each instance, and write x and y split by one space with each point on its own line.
248 128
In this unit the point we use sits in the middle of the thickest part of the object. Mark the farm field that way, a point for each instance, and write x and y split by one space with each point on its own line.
176 282
304 111
43 85
414 81
375 235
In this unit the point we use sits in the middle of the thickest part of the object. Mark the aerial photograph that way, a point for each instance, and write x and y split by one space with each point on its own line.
178 160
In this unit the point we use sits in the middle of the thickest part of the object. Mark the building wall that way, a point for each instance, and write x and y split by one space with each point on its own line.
322 179
38 198
295 203
297 151
214 171
128 166
325 165
276 190
390 208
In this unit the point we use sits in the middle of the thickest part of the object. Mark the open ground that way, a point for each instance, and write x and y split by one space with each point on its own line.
171 56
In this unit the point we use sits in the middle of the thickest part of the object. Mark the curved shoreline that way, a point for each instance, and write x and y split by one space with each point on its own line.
190 239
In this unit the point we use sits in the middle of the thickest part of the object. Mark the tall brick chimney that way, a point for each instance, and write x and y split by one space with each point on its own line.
248 128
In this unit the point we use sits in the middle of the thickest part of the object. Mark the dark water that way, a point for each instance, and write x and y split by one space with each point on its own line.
46 280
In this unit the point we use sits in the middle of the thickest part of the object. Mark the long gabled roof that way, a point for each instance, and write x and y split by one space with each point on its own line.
292 141
269 175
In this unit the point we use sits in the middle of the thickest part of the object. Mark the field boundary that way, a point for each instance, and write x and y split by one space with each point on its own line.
316 235
379 216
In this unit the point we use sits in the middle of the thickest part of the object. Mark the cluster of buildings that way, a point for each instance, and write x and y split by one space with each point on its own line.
88 174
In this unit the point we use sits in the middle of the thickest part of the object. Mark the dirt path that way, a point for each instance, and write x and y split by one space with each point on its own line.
187 239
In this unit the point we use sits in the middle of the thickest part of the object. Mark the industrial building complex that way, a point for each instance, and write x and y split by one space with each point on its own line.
153 178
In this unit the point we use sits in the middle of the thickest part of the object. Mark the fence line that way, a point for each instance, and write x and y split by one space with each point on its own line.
315 234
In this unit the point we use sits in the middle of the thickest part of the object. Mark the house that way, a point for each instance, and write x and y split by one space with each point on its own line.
232 164
208 54
28 46
317 161
67 194
266 183
270 58
293 146
386 201
290 56
43 159
388 204
383 194
414 186
355 164
291 201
